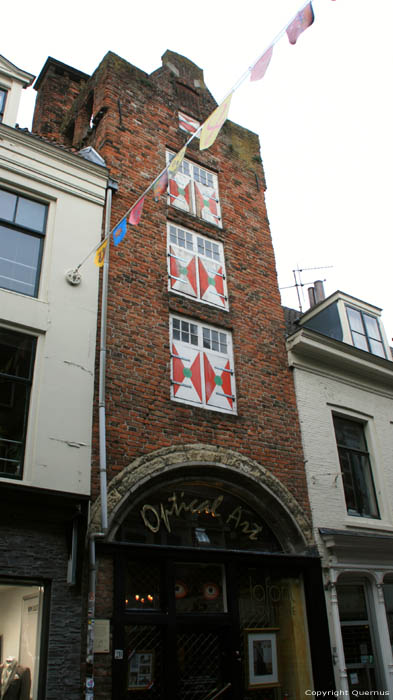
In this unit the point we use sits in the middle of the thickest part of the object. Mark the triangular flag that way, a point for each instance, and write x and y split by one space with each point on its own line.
214 123
177 161
120 231
136 212
160 186
303 19
260 67
100 254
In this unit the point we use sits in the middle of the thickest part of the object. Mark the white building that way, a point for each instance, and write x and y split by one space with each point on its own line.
343 373
51 209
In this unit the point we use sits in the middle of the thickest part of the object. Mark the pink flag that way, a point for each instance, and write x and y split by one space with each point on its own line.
161 185
136 212
260 67
303 19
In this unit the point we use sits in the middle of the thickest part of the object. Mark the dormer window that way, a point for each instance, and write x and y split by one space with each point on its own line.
365 331
3 98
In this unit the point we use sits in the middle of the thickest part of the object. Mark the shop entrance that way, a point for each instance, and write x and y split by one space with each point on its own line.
206 602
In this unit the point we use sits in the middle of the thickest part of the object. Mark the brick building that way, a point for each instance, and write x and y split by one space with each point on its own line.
207 562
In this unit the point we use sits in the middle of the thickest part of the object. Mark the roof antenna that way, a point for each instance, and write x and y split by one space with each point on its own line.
299 284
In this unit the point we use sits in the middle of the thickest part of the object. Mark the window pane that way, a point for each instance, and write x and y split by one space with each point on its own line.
360 341
19 261
355 320
7 205
372 327
16 352
376 348
30 214
351 603
349 433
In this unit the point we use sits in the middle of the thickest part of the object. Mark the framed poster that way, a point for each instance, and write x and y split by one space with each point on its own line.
140 670
261 647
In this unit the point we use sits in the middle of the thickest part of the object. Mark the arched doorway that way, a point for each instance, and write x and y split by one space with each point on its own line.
213 579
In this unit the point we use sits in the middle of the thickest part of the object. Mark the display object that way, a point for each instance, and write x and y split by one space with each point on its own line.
140 670
15 680
261 648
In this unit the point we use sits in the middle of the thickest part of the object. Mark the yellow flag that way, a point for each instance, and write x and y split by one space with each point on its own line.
214 123
100 254
177 161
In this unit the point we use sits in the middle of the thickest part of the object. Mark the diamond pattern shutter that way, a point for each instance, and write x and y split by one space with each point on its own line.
180 193
186 372
211 281
219 383
207 204
182 271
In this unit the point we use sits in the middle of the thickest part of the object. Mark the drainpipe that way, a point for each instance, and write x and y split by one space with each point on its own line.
89 694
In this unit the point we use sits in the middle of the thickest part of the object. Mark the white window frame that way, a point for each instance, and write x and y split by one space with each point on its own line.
193 179
194 355
196 267
370 342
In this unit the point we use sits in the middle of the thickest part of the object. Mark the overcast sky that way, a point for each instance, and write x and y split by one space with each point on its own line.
323 112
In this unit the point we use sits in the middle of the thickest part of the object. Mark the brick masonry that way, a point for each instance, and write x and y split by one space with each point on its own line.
134 119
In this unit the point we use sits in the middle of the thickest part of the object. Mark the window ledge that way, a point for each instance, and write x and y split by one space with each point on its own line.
368 523
23 311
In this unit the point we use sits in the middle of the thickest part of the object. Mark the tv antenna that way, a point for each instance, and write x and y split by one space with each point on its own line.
299 284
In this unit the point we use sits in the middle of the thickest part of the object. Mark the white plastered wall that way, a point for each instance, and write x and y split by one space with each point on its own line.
63 317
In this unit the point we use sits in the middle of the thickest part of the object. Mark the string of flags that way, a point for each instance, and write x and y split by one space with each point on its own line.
207 132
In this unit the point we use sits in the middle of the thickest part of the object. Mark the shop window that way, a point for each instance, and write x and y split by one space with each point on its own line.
22 231
195 190
3 98
17 352
202 365
365 331
357 638
355 468
20 633
196 267
388 593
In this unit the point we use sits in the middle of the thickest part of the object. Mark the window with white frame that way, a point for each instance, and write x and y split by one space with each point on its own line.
195 190
196 266
22 231
202 371
365 331
17 353
3 98
355 466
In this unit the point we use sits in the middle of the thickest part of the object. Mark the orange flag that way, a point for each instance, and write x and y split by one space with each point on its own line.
100 254
214 123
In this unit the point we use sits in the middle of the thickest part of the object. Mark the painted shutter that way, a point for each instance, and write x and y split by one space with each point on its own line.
180 192
186 372
219 381
182 270
212 283
207 204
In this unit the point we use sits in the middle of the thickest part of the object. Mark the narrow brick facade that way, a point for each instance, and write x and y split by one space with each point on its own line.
131 119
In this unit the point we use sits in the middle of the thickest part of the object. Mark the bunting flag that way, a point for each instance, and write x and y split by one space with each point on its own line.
177 161
214 123
100 254
303 19
260 67
160 186
136 213
120 231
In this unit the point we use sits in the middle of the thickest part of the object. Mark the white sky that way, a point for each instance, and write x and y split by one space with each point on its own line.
323 112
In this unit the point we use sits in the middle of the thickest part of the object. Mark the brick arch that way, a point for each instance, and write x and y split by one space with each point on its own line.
286 517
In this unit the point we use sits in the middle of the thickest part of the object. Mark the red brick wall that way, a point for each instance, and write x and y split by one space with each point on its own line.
139 123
